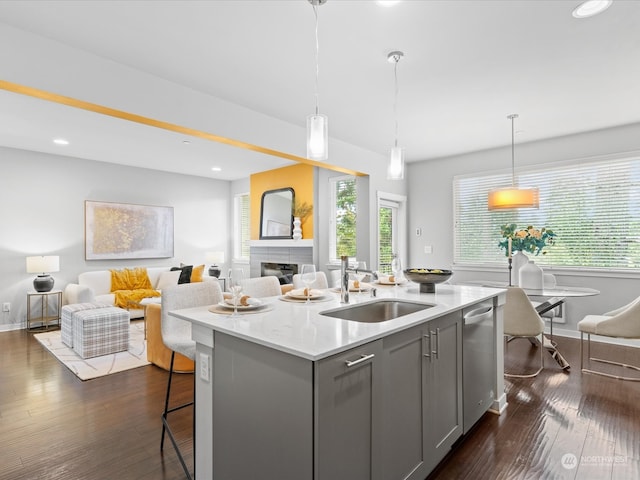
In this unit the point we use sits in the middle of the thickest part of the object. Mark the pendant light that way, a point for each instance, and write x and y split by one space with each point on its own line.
395 170
514 197
317 124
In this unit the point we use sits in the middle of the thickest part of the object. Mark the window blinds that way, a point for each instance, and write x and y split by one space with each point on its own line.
593 207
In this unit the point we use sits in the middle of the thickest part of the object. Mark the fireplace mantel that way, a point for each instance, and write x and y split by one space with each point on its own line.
308 242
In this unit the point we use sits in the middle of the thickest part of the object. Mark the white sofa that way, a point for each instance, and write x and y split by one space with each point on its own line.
95 287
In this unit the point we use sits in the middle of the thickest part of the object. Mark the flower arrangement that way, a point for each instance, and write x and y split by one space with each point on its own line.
529 240
301 210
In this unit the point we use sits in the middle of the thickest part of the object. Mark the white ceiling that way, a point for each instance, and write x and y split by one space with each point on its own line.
467 65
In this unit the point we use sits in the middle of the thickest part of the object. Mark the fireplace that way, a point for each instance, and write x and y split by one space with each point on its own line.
283 271
286 253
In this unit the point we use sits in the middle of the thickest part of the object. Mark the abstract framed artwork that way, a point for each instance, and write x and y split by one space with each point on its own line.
116 231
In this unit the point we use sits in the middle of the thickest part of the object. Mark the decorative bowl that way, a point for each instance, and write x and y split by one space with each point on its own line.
427 277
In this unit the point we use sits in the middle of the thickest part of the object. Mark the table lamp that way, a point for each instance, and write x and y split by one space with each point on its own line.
43 265
214 258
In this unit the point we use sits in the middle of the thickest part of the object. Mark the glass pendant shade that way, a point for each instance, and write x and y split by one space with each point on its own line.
317 137
505 198
395 170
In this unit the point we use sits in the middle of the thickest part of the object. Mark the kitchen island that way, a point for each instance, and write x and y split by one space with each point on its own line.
290 393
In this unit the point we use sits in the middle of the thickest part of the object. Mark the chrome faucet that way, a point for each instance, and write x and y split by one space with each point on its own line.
344 277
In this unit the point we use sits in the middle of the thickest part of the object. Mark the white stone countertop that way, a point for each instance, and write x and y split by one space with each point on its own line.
299 329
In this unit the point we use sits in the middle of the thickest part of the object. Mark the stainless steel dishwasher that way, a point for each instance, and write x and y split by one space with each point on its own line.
477 362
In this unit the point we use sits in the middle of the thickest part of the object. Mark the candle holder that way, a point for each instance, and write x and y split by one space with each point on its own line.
510 269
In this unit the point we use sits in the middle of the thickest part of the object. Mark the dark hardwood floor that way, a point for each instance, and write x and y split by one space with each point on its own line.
55 426
559 425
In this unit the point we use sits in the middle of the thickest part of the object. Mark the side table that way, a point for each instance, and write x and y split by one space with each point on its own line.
50 305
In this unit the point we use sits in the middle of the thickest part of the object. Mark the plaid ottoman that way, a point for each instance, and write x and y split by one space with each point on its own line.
100 331
67 319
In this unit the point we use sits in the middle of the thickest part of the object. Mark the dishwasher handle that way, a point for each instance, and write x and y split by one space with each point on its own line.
478 315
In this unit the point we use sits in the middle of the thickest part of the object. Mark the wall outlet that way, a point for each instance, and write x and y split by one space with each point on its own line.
6 307
428 249
204 367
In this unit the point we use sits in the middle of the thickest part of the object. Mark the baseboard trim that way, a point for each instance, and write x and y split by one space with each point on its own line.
561 332
11 326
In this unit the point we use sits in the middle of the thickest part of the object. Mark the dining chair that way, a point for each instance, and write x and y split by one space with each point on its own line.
268 286
320 283
623 322
176 335
522 321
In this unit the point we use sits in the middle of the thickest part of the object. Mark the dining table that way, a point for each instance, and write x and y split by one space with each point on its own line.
554 297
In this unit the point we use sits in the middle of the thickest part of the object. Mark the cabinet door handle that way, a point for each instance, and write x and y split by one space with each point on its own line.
427 343
437 334
363 358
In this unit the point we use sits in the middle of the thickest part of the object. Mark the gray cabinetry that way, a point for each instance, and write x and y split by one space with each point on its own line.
348 414
262 413
405 371
422 375
444 386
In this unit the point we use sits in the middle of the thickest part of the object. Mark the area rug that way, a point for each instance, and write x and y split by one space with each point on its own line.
88 368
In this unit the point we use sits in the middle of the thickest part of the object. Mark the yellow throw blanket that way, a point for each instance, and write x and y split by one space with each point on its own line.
132 298
130 279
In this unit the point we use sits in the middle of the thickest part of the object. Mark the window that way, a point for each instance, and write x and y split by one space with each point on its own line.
391 224
594 208
241 227
342 239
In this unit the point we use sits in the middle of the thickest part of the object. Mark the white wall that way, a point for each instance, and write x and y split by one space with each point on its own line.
430 187
42 202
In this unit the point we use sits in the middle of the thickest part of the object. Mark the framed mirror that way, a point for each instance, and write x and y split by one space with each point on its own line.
276 218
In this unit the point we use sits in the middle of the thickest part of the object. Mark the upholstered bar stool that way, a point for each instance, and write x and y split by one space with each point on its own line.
157 352
176 335
268 286
320 283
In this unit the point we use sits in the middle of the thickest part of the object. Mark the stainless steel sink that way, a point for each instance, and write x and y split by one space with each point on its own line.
377 311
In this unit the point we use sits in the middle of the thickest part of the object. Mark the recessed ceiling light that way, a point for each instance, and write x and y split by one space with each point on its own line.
60 141
387 3
591 8
216 169
186 142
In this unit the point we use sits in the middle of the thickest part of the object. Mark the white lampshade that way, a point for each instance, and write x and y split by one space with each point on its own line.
43 264
215 258
395 170
317 137
506 198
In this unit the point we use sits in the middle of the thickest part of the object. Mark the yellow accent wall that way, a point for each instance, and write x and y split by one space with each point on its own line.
299 177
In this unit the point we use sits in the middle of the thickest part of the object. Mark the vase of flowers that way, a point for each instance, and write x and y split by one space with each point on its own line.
527 240
300 211
517 242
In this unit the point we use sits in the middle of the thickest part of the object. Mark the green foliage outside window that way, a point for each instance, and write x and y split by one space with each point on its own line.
346 215
385 252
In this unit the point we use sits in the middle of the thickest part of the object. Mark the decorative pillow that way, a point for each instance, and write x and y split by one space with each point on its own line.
167 279
185 275
130 279
196 273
